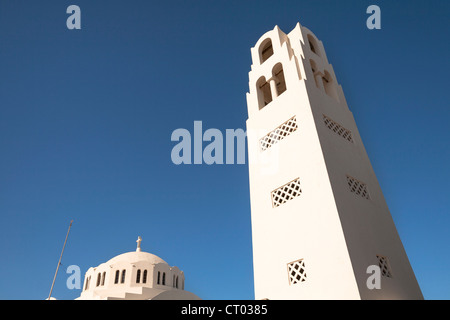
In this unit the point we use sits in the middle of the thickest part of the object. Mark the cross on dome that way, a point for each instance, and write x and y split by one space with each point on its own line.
139 240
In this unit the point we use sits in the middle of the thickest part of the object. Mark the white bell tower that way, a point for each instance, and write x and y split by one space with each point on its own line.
319 218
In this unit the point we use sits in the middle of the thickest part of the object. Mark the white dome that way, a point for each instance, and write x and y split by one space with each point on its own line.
135 275
135 256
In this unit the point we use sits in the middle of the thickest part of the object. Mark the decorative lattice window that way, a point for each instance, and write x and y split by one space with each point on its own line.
278 134
285 193
384 266
296 271
338 129
358 187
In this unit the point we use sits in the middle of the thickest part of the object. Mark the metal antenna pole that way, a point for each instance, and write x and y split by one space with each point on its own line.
59 262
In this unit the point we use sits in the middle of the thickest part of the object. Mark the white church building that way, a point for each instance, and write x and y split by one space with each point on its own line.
319 218
135 275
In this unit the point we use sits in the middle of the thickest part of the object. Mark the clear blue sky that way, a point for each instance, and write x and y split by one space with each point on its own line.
86 118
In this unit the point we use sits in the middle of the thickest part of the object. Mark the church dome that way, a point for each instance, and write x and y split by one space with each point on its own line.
135 275
135 256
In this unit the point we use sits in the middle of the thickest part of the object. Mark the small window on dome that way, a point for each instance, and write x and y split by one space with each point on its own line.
98 279
116 279
144 277
122 279
88 279
103 278
138 276
164 279
158 281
